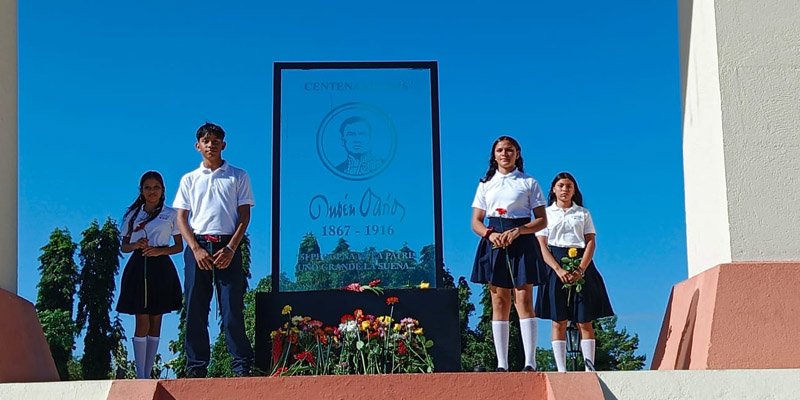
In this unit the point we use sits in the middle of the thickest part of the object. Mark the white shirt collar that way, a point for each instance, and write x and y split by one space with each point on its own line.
513 174
223 167
555 206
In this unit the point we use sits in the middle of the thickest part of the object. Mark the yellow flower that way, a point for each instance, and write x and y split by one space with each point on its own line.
396 327
418 331
286 310
364 325
424 285
572 252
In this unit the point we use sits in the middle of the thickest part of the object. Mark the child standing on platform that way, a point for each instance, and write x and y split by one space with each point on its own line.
150 285
570 226
508 257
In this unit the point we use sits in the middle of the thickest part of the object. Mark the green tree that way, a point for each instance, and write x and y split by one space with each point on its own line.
99 256
178 363
56 296
122 367
616 348
59 330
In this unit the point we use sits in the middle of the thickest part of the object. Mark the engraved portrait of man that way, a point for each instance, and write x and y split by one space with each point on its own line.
356 135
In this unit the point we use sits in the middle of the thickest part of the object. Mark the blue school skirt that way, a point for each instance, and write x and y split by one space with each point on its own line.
527 265
588 305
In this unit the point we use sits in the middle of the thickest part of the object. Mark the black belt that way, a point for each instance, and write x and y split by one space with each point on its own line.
213 238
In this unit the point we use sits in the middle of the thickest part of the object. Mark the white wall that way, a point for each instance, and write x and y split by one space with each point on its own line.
76 390
773 384
741 131
8 145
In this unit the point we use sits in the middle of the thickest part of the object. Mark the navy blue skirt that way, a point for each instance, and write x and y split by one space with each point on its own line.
526 259
163 286
588 305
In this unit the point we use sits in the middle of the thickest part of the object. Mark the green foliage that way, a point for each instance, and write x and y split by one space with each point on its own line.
122 368
75 370
178 363
59 330
55 297
545 360
99 256
59 273
616 348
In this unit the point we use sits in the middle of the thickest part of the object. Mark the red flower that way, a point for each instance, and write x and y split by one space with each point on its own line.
277 349
346 317
354 287
501 211
401 348
359 313
392 300
305 356
375 282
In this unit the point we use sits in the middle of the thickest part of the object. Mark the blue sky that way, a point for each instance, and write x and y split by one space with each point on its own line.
109 90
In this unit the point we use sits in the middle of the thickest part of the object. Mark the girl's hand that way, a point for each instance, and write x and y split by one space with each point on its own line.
496 239
564 275
154 251
140 244
509 236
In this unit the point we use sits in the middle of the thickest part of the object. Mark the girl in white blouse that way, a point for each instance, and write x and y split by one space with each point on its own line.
150 285
508 255
569 225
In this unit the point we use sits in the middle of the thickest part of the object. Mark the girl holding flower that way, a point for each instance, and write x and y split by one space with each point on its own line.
508 255
570 236
150 286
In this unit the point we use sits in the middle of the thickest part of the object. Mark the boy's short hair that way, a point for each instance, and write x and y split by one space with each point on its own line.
210 129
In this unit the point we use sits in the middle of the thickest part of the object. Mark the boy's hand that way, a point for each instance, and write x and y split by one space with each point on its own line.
223 257
204 260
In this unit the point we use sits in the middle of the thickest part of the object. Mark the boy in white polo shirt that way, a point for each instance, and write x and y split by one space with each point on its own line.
213 204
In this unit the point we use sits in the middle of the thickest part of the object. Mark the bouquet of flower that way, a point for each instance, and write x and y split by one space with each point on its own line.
571 263
361 344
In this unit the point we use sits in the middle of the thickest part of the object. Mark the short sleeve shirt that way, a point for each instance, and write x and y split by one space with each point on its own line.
213 197
567 227
158 232
516 192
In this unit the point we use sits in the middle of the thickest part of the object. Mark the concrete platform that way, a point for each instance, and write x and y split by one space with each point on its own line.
638 385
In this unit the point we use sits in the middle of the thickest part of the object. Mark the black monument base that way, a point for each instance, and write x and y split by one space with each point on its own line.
435 309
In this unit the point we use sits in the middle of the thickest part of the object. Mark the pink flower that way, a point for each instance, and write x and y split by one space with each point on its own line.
354 287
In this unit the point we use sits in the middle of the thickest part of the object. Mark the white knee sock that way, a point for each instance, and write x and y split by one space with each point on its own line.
152 349
560 354
587 348
139 355
527 329
500 335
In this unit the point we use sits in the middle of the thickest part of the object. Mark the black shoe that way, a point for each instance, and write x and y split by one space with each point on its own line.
479 368
242 374
528 368
501 369
196 373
